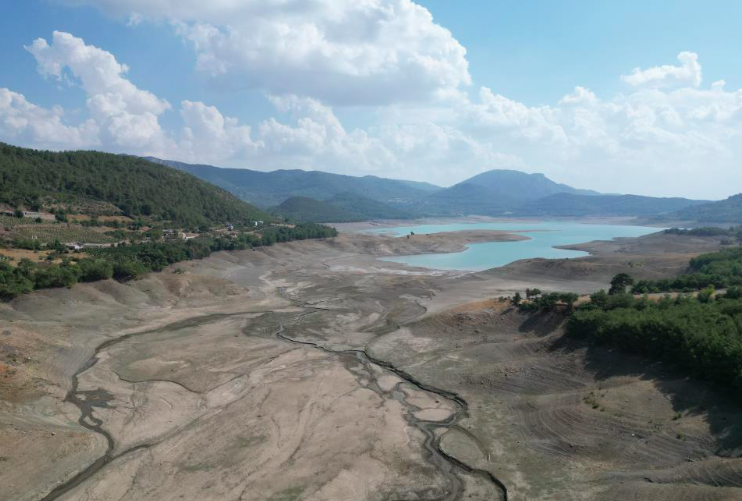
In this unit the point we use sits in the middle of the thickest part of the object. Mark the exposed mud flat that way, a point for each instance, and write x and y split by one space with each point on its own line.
555 419
313 371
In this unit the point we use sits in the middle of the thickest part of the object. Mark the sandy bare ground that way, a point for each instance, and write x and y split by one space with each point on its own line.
313 371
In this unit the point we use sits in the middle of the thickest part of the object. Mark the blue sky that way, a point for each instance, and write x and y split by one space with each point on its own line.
537 51
539 86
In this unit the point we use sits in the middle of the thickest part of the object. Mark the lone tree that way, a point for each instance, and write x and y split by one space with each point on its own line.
532 293
517 298
599 299
706 295
570 298
619 283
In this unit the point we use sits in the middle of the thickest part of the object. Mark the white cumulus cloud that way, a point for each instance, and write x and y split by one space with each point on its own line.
127 116
25 123
209 136
347 52
688 73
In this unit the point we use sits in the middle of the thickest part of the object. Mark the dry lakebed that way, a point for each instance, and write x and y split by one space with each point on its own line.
315 371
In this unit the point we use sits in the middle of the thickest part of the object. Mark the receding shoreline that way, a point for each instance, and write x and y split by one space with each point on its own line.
395 223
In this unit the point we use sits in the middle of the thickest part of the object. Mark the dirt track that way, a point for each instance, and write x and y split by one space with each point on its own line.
312 371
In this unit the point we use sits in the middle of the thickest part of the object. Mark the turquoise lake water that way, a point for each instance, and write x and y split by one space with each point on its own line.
493 254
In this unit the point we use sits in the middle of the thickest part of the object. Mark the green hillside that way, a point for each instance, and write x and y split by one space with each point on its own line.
466 198
107 184
341 208
574 205
316 211
727 211
366 207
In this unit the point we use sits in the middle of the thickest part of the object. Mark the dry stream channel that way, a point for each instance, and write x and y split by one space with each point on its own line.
357 361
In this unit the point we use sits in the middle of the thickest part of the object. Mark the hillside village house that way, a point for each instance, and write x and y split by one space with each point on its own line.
45 216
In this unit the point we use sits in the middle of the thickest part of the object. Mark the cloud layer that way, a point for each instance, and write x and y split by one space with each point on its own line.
669 134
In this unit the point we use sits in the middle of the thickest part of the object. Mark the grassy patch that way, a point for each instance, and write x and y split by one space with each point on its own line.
291 494
62 232
245 442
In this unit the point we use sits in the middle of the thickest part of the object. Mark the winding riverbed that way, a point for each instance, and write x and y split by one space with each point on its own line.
89 401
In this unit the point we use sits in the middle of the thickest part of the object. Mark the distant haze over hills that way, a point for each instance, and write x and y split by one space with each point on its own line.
293 193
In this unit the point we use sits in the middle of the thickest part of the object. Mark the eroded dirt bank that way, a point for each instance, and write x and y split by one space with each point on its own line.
311 371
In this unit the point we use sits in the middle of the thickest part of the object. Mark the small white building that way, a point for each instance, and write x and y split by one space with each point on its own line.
96 246
40 215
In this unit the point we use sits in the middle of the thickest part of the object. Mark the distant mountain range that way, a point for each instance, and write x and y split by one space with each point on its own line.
269 189
320 196
495 193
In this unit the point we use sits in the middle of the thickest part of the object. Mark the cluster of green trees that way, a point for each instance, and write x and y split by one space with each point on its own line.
27 244
700 335
538 301
30 178
29 276
133 260
129 261
718 269
708 231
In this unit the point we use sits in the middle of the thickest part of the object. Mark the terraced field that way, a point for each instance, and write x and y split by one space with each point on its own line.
48 233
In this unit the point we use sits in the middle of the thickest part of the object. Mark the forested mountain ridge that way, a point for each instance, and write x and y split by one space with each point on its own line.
521 185
727 211
128 185
366 207
341 208
311 210
513 193
575 205
269 189
493 193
